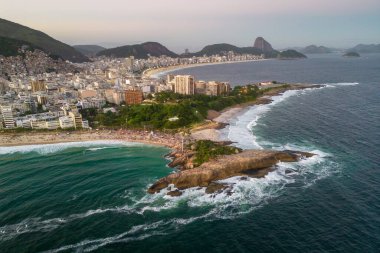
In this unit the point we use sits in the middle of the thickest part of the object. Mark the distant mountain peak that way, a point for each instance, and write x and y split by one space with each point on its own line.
263 45
313 49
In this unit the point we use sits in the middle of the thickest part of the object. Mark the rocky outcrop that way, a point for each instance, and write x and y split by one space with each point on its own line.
263 45
244 163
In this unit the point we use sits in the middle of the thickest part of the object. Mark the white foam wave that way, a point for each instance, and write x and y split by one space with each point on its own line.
90 245
30 225
44 149
334 85
136 233
239 130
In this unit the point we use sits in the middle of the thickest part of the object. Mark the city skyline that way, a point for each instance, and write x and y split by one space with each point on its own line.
178 25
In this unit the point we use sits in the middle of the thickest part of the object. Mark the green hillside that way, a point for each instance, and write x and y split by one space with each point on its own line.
290 54
10 47
41 40
140 51
223 48
89 50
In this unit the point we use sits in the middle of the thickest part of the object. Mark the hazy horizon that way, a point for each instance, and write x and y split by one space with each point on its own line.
179 25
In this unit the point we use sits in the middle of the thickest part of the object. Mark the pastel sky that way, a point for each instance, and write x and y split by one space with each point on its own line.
192 24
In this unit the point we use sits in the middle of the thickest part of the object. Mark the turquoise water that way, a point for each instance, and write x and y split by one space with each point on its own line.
91 197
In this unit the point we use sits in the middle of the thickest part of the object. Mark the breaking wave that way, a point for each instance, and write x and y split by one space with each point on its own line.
44 149
244 196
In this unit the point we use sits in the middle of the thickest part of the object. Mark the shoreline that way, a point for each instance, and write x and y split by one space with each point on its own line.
41 138
208 130
211 129
155 73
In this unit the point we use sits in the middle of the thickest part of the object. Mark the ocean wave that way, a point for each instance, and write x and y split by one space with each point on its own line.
239 130
136 233
91 245
334 85
44 149
248 194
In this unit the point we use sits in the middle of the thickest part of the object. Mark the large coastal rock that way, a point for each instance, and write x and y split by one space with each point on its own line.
225 167
262 44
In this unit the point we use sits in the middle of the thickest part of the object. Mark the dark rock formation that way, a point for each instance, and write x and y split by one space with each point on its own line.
175 193
263 45
351 54
216 188
226 167
290 54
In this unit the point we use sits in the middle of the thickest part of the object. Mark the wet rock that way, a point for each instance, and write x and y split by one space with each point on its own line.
175 193
227 166
215 188
258 173
287 171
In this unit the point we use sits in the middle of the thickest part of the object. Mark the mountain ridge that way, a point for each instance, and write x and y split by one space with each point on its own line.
140 51
157 49
12 30
89 50
365 48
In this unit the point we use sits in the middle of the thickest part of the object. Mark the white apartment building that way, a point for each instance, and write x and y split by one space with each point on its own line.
66 122
7 115
184 84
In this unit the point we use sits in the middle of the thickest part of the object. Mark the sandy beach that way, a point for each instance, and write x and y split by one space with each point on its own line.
155 73
210 130
172 141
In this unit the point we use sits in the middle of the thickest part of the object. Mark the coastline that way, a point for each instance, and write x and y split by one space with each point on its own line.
41 138
220 120
208 130
155 73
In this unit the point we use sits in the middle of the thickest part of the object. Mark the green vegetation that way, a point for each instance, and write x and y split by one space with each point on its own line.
171 110
290 54
139 51
10 47
89 50
39 39
206 150
223 48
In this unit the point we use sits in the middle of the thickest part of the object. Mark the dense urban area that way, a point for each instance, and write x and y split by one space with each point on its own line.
40 92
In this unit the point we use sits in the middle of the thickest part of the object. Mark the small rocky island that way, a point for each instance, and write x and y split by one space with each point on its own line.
233 162
351 54
290 54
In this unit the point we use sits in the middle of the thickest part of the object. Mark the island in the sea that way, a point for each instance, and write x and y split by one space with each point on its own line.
351 54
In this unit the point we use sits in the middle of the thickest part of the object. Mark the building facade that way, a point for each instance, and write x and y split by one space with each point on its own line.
184 84
7 115
133 97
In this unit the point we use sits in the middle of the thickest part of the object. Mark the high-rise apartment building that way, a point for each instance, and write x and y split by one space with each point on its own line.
184 84
7 115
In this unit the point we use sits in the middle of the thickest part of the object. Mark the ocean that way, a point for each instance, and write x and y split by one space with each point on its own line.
91 196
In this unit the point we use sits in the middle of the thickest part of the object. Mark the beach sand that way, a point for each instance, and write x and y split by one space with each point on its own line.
155 73
172 141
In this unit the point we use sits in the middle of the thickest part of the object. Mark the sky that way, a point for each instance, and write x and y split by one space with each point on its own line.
192 24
